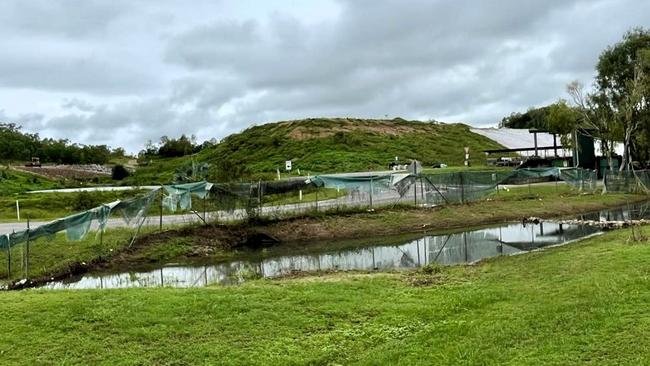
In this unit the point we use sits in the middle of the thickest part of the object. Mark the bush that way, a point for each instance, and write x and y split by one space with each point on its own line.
119 172
83 201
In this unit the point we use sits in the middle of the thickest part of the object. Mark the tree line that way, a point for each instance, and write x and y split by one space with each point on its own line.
615 110
169 147
17 145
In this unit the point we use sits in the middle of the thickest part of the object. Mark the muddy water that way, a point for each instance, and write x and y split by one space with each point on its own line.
446 249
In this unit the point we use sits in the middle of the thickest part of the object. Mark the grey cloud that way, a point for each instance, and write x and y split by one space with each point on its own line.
74 19
72 73
473 61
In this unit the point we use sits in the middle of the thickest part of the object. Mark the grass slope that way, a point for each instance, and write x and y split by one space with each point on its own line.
328 145
12 181
585 303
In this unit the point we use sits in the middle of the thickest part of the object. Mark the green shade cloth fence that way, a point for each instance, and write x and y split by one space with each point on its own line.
78 225
180 195
637 181
455 187
432 189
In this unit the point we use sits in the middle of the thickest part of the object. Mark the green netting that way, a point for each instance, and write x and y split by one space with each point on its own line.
4 241
433 189
76 227
135 209
463 186
180 195
637 181
366 188
360 183
582 179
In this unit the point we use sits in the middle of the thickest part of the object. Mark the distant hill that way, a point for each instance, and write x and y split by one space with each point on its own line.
328 145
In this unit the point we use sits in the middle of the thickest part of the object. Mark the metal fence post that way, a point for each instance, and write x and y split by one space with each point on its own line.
462 187
415 188
161 210
259 197
371 192
9 257
27 251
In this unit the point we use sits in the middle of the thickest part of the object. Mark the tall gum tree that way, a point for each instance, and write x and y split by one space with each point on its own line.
622 94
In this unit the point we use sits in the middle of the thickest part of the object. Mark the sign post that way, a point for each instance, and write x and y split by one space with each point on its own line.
466 155
287 166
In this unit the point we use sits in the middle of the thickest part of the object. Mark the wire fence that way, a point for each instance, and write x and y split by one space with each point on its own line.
98 232
634 181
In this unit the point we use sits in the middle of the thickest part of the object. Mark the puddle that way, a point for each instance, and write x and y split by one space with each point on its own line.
445 249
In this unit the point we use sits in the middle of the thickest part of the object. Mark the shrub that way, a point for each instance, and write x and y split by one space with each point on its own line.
119 172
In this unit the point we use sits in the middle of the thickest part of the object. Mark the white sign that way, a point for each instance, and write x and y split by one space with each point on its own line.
288 165
466 149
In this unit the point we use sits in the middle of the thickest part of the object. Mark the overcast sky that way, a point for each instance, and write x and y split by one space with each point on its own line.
121 72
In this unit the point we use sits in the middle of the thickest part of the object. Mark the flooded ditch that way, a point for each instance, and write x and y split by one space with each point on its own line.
445 249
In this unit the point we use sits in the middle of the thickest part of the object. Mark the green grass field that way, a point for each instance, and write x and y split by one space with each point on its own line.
584 303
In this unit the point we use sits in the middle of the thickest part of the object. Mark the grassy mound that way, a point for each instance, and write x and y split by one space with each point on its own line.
328 145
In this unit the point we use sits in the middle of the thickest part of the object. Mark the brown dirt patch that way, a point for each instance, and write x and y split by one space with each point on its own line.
66 171
384 127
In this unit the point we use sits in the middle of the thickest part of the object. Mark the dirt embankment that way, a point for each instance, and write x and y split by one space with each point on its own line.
206 240
67 171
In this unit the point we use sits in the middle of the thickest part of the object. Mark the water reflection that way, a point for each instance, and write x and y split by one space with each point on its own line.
466 247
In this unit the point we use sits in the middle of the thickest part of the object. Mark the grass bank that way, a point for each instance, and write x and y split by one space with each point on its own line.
585 303
544 201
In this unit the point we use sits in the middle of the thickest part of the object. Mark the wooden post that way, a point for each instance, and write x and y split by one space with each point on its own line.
317 189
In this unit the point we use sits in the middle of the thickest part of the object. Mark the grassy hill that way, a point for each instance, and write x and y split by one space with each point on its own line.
12 181
328 145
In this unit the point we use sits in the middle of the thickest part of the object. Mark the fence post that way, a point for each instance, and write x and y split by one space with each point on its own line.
9 257
161 210
205 214
259 197
422 190
415 186
27 251
371 192
462 188
317 189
